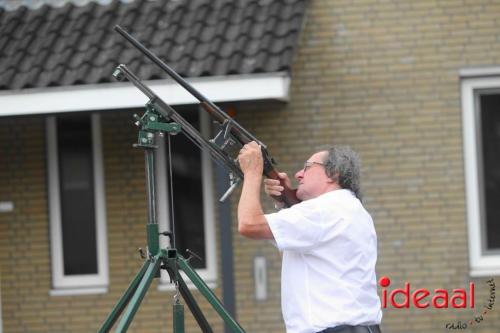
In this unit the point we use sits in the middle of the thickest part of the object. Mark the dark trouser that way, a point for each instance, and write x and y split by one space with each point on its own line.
352 329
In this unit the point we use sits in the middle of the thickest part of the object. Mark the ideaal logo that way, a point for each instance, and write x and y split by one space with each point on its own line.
440 299
458 298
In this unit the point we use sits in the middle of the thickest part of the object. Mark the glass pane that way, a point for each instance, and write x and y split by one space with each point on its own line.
490 124
188 195
77 194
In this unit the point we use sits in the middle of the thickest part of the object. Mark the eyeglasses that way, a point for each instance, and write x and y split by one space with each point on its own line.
308 164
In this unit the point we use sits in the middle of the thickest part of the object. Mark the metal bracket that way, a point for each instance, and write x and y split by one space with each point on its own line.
151 122
225 130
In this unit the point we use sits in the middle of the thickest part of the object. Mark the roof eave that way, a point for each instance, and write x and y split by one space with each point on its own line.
112 96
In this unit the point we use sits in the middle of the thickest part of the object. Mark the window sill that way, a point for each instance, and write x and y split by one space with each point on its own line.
485 272
485 265
78 291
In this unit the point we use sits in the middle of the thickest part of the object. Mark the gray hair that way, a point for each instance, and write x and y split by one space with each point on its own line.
343 165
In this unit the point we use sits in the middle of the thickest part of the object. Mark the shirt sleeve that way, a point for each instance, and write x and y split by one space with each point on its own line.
303 226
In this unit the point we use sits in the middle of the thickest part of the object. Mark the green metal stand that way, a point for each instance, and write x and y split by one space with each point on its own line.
169 259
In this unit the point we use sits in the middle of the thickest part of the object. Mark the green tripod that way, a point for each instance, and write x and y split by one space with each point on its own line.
169 259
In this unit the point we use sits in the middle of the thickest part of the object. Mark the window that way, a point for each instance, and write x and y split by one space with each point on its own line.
76 204
481 126
193 197
489 105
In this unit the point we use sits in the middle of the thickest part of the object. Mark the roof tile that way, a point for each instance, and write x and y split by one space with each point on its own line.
72 45
8 76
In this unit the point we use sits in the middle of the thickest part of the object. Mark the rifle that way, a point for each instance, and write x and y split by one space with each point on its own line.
229 133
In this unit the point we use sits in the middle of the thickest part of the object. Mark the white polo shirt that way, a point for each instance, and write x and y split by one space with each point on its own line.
329 250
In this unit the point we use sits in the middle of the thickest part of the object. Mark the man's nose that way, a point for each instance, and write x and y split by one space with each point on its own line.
299 175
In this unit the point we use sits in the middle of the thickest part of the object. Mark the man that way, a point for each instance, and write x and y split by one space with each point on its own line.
328 241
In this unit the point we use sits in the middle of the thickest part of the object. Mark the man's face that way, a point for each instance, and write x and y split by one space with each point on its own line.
313 180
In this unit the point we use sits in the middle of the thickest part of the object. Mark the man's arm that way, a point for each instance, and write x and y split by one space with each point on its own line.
251 220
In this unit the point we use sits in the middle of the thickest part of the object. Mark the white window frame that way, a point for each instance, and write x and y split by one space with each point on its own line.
1 315
84 283
473 82
208 274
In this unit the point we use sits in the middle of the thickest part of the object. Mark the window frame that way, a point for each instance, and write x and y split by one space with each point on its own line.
208 274
482 263
83 283
1 314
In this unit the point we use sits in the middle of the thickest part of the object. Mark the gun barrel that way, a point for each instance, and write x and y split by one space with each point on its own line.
179 79
160 63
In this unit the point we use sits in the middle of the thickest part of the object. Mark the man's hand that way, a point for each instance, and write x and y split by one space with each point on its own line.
273 188
250 159
251 220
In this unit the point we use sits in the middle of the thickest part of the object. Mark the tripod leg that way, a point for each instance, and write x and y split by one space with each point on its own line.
193 306
209 295
123 301
178 316
139 294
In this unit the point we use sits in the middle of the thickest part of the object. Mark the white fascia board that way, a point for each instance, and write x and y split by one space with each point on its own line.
107 96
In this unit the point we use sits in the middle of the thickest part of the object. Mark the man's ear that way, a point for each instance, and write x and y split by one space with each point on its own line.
335 179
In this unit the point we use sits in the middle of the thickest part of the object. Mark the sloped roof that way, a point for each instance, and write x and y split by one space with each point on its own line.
74 45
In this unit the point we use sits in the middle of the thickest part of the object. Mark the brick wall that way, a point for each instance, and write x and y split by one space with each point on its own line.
382 76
